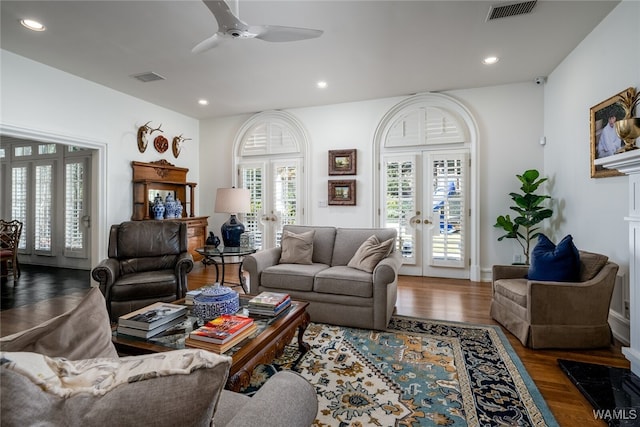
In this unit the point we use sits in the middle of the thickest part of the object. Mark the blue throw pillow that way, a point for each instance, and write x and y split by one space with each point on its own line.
553 263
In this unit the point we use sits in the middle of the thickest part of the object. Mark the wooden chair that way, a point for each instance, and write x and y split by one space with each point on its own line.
9 238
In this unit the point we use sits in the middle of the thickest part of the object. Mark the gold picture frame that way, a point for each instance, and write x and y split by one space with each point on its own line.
343 162
600 115
342 193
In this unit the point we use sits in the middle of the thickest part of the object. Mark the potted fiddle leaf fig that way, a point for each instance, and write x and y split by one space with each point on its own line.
530 212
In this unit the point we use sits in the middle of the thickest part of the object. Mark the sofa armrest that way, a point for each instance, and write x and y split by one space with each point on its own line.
509 272
286 399
573 303
387 269
184 264
106 273
255 263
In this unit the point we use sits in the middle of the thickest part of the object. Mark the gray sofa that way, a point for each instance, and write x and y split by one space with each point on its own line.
338 294
89 385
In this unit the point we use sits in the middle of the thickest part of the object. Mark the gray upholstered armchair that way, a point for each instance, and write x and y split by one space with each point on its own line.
556 314
148 262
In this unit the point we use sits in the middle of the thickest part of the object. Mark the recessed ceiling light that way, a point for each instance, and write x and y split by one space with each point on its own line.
490 60
32 25
203 102
322 84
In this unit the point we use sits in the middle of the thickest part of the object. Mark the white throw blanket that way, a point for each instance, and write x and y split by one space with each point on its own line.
65 378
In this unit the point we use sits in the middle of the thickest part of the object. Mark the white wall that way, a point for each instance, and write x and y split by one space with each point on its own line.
606 62
42 100
510 124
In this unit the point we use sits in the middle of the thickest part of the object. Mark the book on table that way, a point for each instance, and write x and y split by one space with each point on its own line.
222 329
221 348
152 316
268 299
143 333
270 312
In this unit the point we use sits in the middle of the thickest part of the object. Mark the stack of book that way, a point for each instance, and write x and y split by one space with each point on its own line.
151 320
191 295
269 304
222 333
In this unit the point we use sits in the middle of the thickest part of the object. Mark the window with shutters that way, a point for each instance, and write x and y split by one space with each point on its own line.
270 158
50 201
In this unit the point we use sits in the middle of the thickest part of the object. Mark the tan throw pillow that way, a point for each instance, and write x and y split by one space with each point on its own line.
370 253
297 248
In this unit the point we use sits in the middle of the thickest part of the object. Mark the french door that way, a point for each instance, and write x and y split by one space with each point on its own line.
425 199
275 187
47 189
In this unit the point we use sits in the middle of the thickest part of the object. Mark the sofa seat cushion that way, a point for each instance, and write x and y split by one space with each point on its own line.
294 277
141 285
512 289
343 280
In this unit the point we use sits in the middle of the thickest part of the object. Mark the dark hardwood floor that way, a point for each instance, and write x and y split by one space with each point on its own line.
43 293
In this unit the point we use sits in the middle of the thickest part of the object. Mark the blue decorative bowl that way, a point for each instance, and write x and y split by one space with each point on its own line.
215 301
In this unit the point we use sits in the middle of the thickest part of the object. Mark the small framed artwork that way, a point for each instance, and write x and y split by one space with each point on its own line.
342 162
604 139
342 193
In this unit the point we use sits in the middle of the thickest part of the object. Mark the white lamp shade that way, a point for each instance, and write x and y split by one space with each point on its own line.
233 200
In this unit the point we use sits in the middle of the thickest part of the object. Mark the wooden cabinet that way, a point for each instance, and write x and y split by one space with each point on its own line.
162 177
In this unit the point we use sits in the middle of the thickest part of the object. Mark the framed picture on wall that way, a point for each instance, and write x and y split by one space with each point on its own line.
604 139
342 193
342 162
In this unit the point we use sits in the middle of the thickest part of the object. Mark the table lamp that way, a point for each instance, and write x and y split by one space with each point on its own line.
232 201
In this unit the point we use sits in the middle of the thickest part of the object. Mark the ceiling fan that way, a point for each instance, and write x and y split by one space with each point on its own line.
230 27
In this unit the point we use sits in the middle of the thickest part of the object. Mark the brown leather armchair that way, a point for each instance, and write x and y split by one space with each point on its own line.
148 262
556 314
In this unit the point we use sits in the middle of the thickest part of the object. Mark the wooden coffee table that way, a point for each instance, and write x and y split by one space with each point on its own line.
268 343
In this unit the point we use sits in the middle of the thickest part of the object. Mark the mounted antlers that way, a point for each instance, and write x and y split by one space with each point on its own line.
143 132
176 146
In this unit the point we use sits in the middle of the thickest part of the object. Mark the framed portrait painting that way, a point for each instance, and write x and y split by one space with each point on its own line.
342 193
604 139
342 162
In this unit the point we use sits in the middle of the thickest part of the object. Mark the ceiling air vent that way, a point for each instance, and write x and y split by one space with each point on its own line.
148 77
510 9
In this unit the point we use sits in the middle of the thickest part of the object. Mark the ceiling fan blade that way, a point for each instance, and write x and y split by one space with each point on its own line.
207 44
276 33
226 19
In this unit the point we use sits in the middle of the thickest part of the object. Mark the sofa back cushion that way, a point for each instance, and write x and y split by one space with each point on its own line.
348 240
591 264
141 239
83 332
323 241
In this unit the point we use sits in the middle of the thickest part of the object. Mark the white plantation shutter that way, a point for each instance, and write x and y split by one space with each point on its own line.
19 194
447 245
43 208
425 126
400 201
75 208
251 178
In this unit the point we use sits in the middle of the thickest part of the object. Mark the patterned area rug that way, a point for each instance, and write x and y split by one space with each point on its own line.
419 373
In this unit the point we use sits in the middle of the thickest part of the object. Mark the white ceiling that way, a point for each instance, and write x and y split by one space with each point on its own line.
370 48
